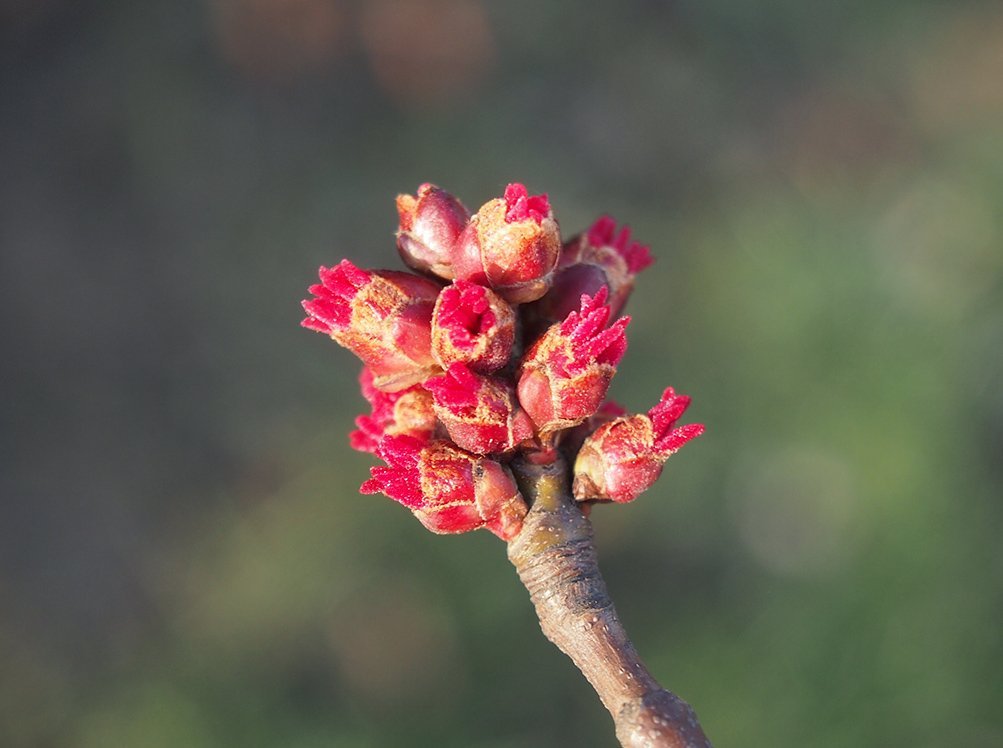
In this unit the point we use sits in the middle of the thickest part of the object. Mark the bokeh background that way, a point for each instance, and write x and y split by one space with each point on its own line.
184 558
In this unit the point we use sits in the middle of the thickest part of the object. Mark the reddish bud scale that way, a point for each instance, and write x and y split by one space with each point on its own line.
565 374
511 244
449 490
480 413
472 325
624 457
384 317
430 225
407 412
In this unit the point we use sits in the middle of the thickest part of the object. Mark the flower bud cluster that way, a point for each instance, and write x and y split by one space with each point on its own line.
504 345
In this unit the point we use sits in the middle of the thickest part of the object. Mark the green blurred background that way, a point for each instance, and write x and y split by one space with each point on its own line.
184 557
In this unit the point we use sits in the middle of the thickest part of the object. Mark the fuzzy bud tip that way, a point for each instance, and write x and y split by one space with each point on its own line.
399 480
521 206
464 313
603 233
590 342
331 307
663 415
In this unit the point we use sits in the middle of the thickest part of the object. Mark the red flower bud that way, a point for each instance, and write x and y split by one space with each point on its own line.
473 325
408 412
382 316
565 374
448 489
601 257
623 458
511 244
602 234
430 224
480 413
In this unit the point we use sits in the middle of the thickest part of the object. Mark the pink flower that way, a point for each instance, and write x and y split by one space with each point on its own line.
512 245
623 458
447 489
382 316
473 325
565 374
480 413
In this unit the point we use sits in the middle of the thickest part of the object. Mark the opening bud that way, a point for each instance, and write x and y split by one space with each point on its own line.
602 235
565 374
473 325
382 316
480 413
447 489
407 412
624 457
512 244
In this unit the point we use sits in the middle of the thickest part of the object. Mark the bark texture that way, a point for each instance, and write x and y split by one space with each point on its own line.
556 560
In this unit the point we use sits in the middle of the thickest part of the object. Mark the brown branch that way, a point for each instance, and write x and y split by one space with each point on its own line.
556 560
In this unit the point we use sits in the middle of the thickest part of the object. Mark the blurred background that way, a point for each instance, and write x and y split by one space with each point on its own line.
184 557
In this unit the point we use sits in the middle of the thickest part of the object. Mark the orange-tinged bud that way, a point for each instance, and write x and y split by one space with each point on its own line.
480 413
407 412
473 325
449 490
430 225
565 374
512 244
382 316
624 457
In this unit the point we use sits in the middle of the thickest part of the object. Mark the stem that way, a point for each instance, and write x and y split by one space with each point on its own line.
555 557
